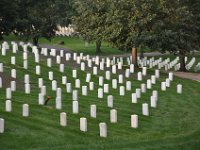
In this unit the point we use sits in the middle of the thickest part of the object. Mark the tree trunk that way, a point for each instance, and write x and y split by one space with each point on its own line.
141 52
98 46
134 57
182 60
35 41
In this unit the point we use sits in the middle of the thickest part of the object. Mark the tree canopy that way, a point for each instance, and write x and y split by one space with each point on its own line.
40 18
90 20
8 15
159 24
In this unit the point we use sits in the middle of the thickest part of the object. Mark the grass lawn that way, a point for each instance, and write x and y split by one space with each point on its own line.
174 125
75 44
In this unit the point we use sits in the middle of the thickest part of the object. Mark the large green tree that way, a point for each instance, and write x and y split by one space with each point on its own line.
159 24
178 33
131 23
8 15
90 20
40 18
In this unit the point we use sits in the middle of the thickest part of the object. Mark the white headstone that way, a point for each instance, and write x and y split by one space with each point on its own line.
82 66
1 125
13 73
114 69
107 75
138 92
121 90
8 105
94 70
62 68
132 68
153 79
49 62
163 86
13 85
93 111
155 94
26 79
121 78
110 101
171 76
128 85
100 93
101 81
149 85
74 73
75 108
106 88
1 83
50 75
64 80
25 55
143 88
1 67
74 95
83 124
103 129
168 82
157 73
8 93
84 91
134 98
114 83
113 116
58 92
145 109
43 90
91 86
68 88
41 99
25 64
58 59
179 89
153 102
127 73
63 119
77 83
88 77
139 76
25 110
119 65
58 103
54 85
37 70
13 60
134 121
144 71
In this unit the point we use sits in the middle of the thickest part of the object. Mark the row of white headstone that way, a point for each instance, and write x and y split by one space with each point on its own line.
145 110
102 125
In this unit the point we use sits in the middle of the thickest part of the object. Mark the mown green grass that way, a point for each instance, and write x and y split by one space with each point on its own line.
173 125
74 44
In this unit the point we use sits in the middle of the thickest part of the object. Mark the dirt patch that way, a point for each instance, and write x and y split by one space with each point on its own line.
6 81
188 75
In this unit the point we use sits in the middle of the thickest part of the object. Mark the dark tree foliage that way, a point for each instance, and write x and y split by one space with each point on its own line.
40 18
8 15
90 21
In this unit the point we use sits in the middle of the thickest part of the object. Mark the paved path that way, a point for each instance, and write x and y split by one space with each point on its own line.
188 75
185 75
57 47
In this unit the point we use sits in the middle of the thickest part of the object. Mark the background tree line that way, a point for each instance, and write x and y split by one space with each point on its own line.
161 25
